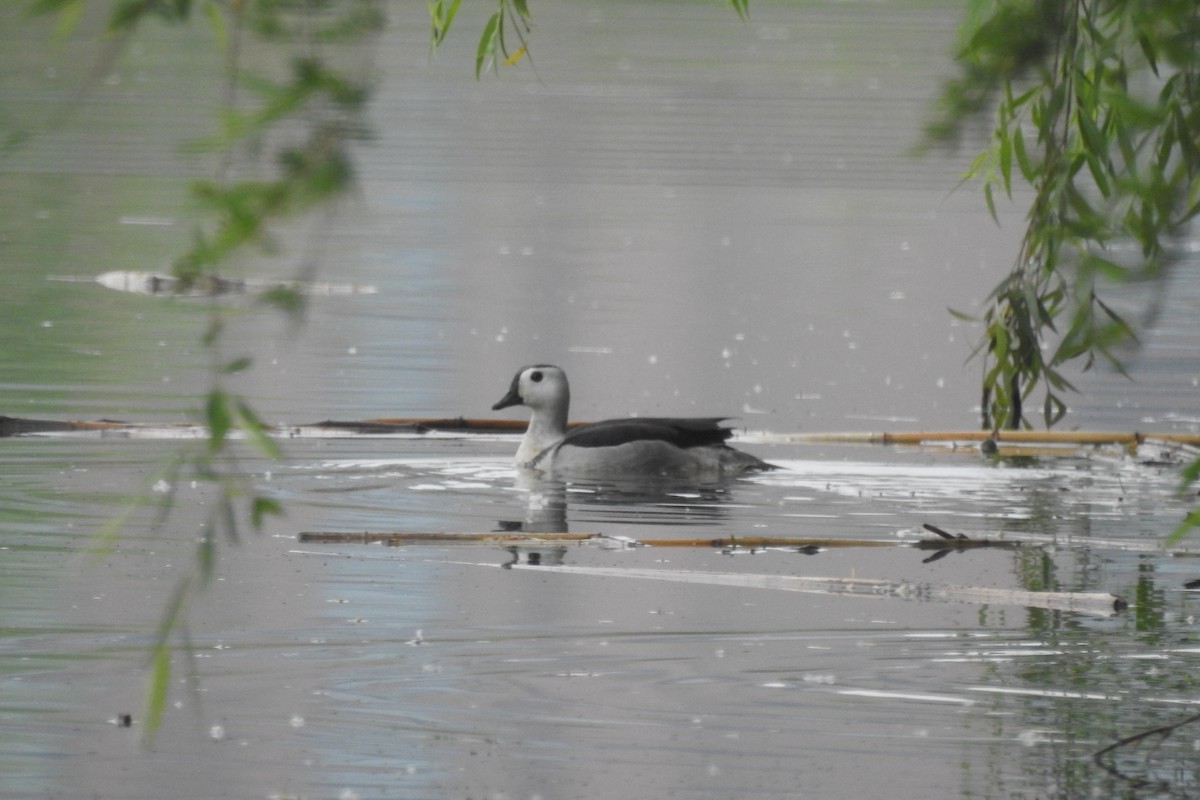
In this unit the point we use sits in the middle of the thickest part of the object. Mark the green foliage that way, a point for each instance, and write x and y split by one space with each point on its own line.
1097 105
441 16
315 111
493 49
227 419
511 18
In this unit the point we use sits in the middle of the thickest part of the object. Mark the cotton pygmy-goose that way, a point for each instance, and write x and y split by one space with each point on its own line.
638 446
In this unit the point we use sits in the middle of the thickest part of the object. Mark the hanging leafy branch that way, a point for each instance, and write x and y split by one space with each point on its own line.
1097 109
316 110
511 19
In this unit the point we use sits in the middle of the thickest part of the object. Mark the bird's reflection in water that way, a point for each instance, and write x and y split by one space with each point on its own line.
637 500
535 554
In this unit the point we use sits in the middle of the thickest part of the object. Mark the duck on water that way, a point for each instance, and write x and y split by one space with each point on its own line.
681 447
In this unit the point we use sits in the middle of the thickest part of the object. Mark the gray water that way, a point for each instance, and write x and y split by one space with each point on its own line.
691 215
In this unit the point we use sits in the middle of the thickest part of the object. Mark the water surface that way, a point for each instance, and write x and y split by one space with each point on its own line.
691 215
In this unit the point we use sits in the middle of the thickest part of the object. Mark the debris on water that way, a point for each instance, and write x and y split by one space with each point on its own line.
1033 737
738 550
618 542
935 529
155 283
161 222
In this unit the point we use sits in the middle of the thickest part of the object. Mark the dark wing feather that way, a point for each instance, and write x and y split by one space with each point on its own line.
686 432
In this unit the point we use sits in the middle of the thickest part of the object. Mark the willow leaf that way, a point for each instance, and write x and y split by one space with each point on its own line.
485 53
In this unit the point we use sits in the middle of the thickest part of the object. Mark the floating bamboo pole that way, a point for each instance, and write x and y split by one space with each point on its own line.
944 542
395 539
1087 602
1015 437
15 426
445 423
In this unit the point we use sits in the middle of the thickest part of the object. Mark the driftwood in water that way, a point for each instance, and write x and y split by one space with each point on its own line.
17 426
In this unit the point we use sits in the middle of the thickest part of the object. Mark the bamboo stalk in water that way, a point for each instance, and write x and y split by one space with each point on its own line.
1017 437
504 537
1086 602
13 426
395 538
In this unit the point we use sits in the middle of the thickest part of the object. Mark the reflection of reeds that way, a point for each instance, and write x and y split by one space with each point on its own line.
1106 758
